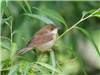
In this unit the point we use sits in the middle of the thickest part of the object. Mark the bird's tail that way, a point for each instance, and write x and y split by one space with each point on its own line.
23 51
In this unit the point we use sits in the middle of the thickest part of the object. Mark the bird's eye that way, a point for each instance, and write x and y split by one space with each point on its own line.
51 28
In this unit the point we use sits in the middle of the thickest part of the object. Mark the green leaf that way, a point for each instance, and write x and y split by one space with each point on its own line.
7 11
97 14
48 66
6 19
42 70
88 35
84 13
22 6
2 37
4 62
92 11
27 66
53 14
13 49
58 66
4 46
67 71
27 4
17 31
42 18
23 58
53 61
78 57
26 40
3 3
13 70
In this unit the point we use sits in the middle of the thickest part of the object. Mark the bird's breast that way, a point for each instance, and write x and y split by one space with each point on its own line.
47 45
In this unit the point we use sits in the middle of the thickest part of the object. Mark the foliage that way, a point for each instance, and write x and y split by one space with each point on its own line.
37 67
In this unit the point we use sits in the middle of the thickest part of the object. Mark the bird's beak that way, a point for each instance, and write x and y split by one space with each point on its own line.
58 27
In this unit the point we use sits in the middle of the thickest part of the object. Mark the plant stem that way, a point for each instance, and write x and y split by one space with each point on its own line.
11 33
82 19
11 41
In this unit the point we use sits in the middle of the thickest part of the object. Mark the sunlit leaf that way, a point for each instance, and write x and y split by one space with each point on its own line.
88 35
53 14
48 66
13 70
4 46
13 49
67 71
42 18
27 66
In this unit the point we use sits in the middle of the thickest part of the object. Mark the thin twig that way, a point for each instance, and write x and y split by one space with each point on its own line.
68 61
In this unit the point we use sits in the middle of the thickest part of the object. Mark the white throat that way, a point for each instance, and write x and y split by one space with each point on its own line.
54 31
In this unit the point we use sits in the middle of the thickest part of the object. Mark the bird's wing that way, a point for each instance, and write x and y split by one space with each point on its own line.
39 39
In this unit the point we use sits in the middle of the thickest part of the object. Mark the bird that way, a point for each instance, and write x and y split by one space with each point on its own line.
43 40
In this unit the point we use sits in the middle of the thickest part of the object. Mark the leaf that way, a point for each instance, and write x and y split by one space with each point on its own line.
88 35
7 12
58 66
13 49
4 62
97 14
53 14
4 46
27 66
67 71
84 13
92 11
22 6
78 57
17 31
42 18
48 66
23 58
26 40
53 61
13 70
6 19
2 5
27 4
2 37
42 70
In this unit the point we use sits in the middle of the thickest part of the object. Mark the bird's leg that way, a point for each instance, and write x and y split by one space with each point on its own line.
43 54
50 50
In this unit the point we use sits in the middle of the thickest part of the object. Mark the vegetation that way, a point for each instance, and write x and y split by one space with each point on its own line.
20 20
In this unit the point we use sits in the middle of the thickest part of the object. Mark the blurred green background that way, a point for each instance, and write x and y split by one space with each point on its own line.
71 11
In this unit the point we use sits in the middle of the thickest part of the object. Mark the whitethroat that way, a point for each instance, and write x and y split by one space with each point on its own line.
43 40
